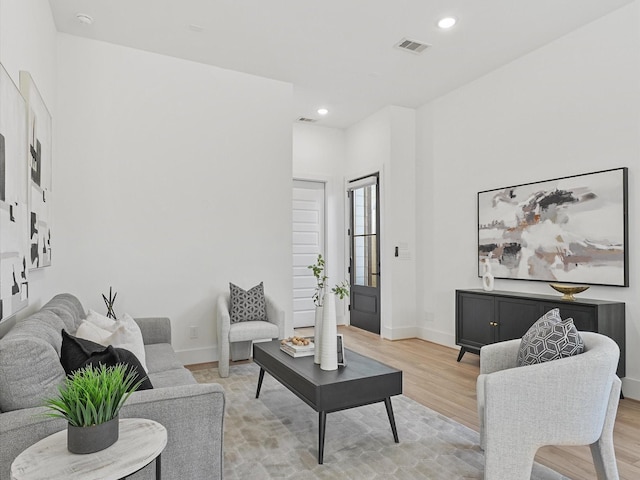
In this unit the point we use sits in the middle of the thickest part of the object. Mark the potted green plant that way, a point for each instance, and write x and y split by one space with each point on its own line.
318 296
90 400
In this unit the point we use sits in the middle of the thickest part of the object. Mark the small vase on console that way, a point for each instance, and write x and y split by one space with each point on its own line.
317 335
487 278
329 336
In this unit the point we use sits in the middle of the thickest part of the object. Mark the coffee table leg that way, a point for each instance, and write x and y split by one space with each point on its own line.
158 468
260 378
392 420
322 422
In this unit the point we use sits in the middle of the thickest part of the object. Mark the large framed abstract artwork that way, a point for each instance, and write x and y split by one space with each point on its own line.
14 208
40 154
568 230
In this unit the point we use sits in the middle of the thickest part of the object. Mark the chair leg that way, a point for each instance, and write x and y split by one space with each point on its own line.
508 463
602 451
604 459
241 350
223 359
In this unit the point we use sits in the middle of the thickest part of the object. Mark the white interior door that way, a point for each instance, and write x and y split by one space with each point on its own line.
308 242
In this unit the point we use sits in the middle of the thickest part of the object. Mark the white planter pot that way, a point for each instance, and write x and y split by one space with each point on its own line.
317 336
329 340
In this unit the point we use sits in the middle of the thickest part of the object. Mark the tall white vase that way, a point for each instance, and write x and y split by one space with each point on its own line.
317 335
329 339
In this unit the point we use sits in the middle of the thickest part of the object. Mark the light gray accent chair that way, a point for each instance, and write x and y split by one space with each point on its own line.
571 401
235 339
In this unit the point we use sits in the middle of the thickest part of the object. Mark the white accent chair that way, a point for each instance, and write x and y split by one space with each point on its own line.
571 401
237 338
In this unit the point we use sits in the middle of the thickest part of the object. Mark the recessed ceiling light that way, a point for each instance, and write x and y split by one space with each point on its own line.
447 22
84 18
323 111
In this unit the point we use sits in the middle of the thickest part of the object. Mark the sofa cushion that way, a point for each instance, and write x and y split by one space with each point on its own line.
68 308
171 378
30 369
551 341
79 352
247 305
244 331
161 357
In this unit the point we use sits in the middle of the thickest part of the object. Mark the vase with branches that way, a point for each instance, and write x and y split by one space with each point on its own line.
325 314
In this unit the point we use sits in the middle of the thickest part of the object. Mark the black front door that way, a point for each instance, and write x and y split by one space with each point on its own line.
365 254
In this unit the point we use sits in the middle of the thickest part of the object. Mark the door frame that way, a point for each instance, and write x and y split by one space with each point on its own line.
323 220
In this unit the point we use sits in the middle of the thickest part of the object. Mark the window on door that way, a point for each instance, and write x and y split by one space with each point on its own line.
365 236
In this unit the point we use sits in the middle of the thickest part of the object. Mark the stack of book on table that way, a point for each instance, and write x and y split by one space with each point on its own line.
298 346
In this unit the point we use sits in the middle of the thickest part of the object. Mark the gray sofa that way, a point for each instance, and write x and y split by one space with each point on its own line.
30 370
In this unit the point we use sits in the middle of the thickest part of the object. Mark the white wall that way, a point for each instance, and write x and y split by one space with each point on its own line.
319 154
570 107
385 142
28 42
172 178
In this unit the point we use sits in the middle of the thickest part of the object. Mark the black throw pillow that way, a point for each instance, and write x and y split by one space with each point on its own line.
78 353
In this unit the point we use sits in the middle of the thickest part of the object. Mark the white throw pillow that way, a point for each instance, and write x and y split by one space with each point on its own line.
101 321
91 331
124 333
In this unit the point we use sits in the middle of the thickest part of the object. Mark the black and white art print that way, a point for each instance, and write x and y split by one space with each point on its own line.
566 230
40 156
14 207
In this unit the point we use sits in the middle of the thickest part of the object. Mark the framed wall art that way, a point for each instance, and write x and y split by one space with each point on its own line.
568 230
39 128
14 208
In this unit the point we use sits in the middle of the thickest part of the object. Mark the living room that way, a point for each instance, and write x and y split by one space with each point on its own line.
172 178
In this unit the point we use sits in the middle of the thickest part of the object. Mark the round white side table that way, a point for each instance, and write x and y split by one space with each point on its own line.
140 442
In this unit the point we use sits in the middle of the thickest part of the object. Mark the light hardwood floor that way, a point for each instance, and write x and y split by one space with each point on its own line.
433 378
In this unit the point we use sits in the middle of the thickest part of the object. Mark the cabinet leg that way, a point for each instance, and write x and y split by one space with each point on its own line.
461 354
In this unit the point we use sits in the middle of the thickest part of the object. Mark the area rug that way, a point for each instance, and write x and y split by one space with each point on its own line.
276 436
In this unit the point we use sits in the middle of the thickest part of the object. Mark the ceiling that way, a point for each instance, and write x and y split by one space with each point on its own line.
338 54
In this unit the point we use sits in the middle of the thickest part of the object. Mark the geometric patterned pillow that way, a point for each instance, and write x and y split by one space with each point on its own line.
549 318
551 342
247 305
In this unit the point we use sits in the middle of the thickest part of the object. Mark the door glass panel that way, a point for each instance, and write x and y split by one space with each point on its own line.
365 261
365 258
364 210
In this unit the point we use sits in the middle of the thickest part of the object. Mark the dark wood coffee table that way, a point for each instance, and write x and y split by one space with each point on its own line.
361 382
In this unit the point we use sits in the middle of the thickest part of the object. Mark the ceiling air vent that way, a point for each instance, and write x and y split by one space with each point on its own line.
412 46
307 120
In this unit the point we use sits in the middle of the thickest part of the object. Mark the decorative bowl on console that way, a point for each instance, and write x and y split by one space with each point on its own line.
568 291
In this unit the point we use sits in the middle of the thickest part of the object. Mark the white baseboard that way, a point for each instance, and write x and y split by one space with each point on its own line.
198 355
398 333
436 336
631 388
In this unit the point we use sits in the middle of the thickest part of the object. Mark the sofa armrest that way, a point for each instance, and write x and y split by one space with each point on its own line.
499 356
275 315
193 416
155 329
19 429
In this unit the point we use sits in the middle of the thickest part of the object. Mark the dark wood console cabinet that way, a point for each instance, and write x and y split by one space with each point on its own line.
488 317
